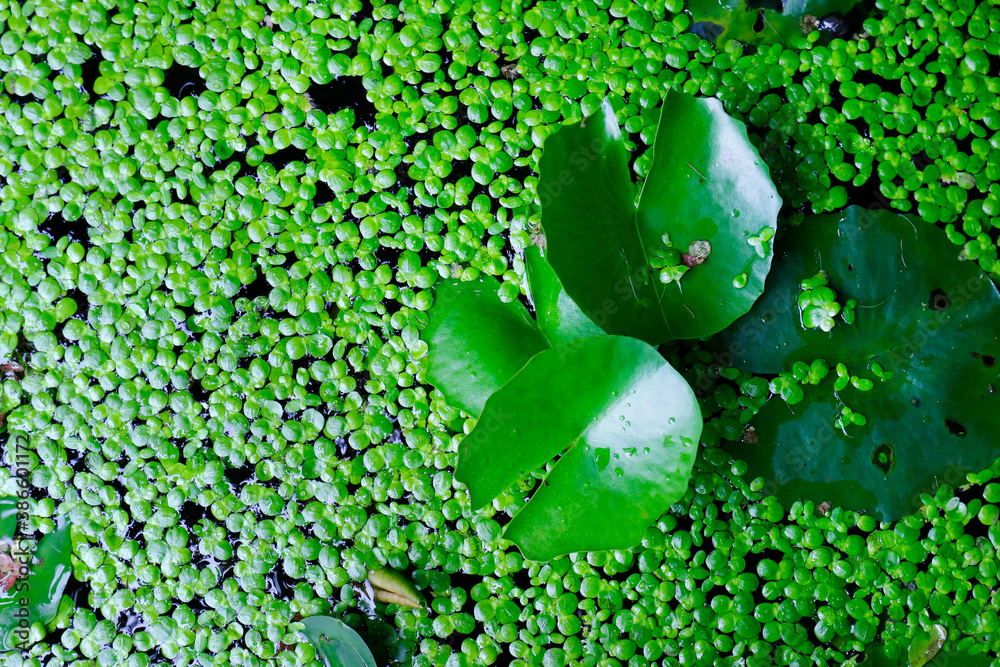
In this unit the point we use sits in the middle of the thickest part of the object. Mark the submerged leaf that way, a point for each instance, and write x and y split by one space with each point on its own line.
923 346
336 644
631 425
664 269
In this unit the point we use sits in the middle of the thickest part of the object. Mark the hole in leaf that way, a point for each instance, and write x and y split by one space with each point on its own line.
939 300
955 427
915 402
758 25
850 267
989 360
882 457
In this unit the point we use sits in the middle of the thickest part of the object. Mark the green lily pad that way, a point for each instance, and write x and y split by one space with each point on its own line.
923 650
476 342
625 426
923 316
42 592
707 188
8 516
336 644
559 318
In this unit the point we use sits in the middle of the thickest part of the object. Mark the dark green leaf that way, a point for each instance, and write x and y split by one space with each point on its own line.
336 643
921 314
559 318
44 587
476 341
8 516
706 184
626 425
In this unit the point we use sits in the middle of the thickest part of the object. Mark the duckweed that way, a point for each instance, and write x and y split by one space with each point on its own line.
222 226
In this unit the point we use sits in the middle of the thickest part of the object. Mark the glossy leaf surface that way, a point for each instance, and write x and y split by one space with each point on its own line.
923 651
626 425
706 183
922 315
50 572
559 318
476 342
336 644
8 516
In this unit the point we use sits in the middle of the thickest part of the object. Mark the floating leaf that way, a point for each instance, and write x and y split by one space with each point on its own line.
707 188
923 651
393 588
559 318
625 426
43 589
336 643
476 341
924 320
8 516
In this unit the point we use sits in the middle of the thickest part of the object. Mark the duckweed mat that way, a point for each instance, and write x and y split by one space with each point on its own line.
222 227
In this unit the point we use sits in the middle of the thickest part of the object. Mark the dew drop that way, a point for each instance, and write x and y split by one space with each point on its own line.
619 472
736 213
740 281
671 420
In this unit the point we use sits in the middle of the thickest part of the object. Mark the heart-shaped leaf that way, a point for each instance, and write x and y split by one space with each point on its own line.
336 644
706 212
626 425
559 318
924 320
43 589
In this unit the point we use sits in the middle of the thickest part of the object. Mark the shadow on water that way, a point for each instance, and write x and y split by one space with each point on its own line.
181 81
345 92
